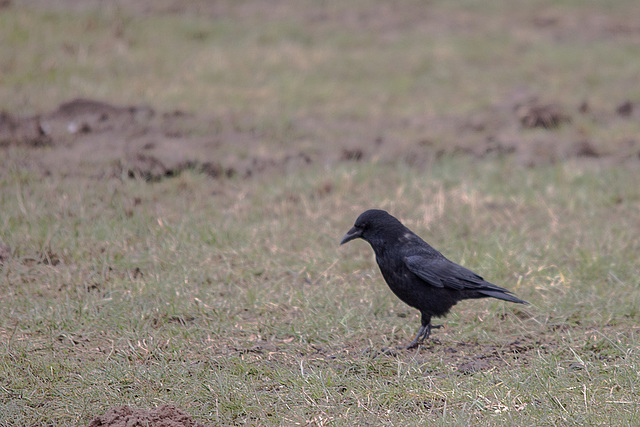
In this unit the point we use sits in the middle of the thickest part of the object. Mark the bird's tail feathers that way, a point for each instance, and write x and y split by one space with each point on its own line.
503 296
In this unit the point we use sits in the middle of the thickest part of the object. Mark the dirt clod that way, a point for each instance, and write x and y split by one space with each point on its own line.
5 252
162 416
28 131
625 109
352 154
547 116
586 149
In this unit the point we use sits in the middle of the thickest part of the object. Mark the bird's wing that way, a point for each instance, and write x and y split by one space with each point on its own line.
420 267
440 272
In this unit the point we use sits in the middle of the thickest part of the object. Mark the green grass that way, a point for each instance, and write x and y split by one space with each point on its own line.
240 307
436 58
232 299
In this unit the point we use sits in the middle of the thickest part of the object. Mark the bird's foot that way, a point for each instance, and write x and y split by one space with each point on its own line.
421 344
423 334
414 344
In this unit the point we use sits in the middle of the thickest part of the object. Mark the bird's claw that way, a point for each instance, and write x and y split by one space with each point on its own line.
423 334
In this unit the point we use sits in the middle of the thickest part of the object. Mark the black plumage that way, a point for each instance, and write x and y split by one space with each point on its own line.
417 273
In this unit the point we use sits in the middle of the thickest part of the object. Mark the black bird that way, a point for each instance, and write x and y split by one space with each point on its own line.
417 273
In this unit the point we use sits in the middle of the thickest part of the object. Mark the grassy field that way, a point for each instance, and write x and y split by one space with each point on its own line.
231 298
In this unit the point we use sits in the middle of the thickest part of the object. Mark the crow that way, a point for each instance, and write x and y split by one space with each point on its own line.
417 273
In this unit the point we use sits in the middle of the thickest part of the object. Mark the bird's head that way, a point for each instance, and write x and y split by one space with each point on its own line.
373 226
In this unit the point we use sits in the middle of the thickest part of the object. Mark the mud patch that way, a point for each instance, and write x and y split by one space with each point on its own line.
162 416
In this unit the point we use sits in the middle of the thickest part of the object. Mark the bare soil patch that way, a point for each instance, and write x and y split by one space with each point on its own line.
85 137
162 416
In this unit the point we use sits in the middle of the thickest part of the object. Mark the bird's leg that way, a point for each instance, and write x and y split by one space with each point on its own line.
423 332
419 338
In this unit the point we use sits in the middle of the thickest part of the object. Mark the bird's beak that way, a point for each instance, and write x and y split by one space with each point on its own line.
354 233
